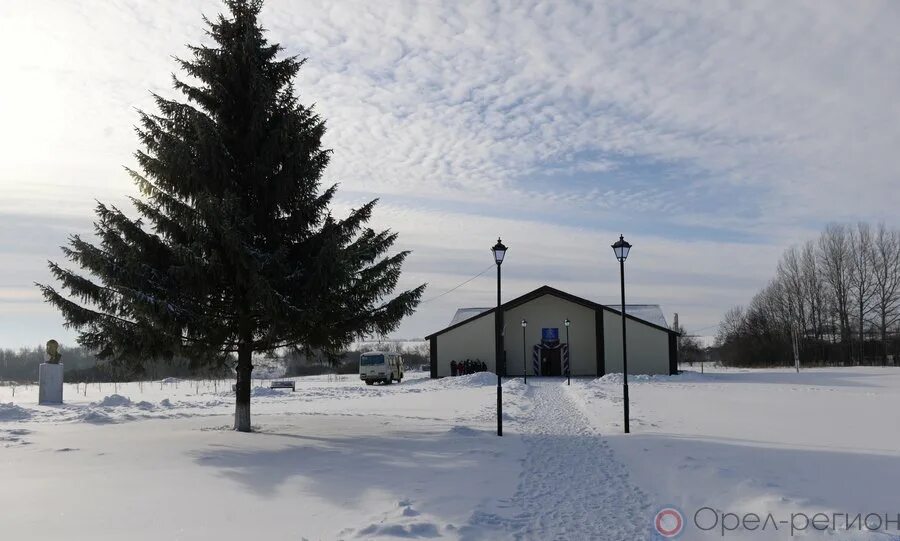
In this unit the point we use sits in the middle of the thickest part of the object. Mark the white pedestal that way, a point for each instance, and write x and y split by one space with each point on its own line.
50 377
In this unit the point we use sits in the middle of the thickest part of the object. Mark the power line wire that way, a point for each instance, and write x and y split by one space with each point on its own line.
458 286
703 329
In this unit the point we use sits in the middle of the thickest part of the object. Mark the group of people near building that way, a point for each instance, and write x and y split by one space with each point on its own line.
464 368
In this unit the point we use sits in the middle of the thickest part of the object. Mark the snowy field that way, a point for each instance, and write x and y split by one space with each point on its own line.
341 460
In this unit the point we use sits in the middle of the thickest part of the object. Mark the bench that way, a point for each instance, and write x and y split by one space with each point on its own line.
282 384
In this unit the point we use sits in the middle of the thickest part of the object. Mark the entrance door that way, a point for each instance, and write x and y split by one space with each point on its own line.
551 363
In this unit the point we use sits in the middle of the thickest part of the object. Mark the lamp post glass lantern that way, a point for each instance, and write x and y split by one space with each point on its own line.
499 251
568 354
621 249
524 355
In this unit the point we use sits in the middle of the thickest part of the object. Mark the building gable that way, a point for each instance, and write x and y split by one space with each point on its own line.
540 292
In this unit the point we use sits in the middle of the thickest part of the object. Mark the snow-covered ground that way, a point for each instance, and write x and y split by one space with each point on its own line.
760 441
341 460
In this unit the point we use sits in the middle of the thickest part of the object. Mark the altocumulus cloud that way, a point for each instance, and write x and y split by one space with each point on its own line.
713 135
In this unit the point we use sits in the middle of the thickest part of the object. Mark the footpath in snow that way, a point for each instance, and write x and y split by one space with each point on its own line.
571 485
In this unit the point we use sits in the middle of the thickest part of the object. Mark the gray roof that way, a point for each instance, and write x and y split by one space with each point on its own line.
648 312
463 314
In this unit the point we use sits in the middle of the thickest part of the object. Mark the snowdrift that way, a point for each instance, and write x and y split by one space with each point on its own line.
12 412
114 401
617 378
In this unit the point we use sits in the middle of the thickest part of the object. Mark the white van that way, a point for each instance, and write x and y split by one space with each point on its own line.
380 366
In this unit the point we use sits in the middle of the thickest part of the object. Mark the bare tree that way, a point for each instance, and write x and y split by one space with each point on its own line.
821 294
732 325
862 278
835 264
792 288
813 289
886 272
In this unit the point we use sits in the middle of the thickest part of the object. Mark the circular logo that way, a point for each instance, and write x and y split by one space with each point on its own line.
668 522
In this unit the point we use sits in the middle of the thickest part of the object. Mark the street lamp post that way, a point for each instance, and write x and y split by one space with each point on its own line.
499 251
569 353
621 249
524 356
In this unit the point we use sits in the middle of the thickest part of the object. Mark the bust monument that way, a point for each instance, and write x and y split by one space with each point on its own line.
53 355
50 376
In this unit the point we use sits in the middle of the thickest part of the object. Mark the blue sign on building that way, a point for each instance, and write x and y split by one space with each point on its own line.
550 336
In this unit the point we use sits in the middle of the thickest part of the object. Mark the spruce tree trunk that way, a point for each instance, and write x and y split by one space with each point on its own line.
242 401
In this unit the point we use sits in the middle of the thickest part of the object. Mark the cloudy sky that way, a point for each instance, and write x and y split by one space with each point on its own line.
712 134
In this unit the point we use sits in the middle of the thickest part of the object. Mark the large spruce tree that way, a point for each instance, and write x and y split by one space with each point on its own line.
236 250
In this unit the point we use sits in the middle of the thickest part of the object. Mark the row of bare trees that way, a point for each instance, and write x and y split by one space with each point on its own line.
81 365
836 298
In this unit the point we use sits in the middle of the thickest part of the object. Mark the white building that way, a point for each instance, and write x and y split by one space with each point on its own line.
593 346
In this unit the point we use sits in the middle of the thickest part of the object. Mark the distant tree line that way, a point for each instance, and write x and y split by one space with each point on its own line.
81 365
836 299
300 363
21 365
690 350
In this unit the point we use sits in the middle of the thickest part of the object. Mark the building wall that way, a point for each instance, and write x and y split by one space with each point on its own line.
648 348
550 311
473 340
